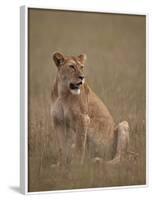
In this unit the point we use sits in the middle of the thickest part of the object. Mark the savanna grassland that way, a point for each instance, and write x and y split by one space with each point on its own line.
116 70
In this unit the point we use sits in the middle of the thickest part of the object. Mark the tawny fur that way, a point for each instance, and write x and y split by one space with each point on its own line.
82 113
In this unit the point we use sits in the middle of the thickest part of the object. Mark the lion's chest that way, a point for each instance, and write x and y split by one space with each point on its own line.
57 112
66 113
62 113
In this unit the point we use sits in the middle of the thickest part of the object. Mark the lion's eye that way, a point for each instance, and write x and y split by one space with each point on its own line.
72 66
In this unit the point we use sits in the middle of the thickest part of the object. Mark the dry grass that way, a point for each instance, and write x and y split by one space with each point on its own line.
116 72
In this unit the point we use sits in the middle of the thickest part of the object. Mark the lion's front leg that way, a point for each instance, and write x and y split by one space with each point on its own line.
61 144
81 136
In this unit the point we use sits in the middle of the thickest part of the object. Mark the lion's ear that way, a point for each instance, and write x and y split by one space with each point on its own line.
58 59
82 58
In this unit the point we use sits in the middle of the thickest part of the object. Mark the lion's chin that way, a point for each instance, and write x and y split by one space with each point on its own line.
75 91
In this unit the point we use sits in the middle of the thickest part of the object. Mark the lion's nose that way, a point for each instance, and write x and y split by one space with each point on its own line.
81 77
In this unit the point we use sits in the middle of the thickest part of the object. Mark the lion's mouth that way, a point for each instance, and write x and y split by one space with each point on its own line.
75 86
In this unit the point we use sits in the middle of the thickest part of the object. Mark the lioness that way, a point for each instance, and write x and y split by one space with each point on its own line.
75 107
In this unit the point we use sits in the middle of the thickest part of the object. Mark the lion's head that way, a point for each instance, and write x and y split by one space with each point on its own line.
70 71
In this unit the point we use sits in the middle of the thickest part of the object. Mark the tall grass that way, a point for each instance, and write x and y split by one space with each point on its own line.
115 46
